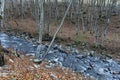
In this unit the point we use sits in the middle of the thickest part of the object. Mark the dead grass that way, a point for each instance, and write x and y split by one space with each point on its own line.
26 25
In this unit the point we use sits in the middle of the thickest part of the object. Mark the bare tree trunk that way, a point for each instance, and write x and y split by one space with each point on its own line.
78 10
41 19
1 25
37 15
108 14
22 11
49 16
38 52
2 12
56 14
83 24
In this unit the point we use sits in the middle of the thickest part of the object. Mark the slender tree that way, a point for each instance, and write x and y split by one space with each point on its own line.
1 17
2 3
41 5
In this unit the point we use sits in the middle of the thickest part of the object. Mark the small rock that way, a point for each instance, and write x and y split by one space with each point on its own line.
115 72
50 52
30 54
101 71
85 53
53 76
74 50
36 66
60 46
31 68
11 60
92 53
37 60
92 78
48 66
110 61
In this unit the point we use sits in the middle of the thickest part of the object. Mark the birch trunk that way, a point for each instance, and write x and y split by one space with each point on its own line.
2 12
41 5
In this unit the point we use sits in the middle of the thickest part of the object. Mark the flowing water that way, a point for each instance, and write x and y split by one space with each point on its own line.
100 67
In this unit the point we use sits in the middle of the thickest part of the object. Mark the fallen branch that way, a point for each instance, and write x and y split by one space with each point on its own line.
57 30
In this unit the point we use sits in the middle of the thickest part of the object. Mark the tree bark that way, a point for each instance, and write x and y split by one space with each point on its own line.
41 5
2 12
1 25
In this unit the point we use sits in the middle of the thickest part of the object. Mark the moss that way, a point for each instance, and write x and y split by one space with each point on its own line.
82 37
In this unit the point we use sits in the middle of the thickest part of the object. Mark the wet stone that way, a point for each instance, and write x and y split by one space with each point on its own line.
88 63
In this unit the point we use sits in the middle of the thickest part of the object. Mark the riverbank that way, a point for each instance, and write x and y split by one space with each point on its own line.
23 68
26 29
88 63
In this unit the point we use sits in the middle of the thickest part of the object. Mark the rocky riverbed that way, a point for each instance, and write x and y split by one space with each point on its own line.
91 65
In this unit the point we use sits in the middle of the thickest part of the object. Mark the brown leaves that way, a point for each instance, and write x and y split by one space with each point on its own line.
24 69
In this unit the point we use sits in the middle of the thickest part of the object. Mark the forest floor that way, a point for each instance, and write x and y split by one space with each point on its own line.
23 68
112 42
